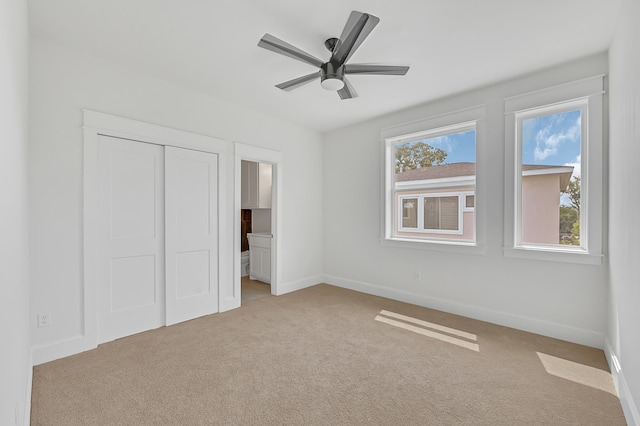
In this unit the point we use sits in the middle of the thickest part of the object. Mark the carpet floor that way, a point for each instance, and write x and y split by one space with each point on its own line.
253 289
329 356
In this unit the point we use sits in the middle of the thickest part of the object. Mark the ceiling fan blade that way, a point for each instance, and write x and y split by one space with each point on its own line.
375 69
358 27
347 92
282 47
297 82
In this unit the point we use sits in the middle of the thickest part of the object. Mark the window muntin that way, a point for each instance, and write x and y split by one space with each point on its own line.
549 162
433 172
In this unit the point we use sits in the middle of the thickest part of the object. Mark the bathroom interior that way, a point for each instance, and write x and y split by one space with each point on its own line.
255 229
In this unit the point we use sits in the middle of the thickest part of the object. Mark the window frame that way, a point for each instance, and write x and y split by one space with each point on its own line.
585 95
471 118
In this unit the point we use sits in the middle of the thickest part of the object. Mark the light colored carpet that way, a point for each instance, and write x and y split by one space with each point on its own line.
329 356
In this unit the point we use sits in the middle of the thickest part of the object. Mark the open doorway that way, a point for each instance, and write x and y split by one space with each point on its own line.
257 216
255 229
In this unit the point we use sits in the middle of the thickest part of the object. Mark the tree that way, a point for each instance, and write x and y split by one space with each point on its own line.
573 191
575 234
568 216
411 156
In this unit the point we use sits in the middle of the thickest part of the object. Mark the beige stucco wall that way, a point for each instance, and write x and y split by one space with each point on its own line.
541 209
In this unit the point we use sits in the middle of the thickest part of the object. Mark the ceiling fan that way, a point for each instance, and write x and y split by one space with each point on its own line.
333 73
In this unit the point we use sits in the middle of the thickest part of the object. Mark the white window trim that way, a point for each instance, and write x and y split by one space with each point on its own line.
436 183
444 123
589 92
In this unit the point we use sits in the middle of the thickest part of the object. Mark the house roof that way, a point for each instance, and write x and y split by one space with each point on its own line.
468 169
438 172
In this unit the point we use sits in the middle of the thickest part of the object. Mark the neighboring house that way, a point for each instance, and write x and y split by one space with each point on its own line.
439 201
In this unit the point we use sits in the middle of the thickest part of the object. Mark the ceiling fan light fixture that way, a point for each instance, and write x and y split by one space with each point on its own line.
332 76
332 83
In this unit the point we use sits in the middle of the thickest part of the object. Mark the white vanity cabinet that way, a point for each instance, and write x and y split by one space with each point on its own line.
260 257
256 185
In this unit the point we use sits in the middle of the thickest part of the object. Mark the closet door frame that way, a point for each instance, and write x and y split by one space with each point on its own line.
95 124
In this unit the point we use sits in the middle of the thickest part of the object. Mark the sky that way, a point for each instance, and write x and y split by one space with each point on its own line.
460 147
553 140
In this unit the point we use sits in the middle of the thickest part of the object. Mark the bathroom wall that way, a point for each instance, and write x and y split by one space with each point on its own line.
261 220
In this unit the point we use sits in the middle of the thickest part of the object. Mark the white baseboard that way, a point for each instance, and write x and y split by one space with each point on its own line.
545 328
285 288
60 349
629 407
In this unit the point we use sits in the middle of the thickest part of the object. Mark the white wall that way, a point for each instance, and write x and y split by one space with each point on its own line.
624 153
63 82
15 368
558 299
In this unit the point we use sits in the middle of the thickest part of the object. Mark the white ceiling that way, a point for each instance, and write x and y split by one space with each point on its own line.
211 46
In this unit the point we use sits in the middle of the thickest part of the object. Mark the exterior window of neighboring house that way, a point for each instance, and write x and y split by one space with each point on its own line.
430 187
432 214
556 142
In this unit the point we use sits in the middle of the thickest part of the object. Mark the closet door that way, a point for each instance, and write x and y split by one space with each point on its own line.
191 209
130 261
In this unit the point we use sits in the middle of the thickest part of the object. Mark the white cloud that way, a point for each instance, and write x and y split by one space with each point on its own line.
576 166
441 141
547 143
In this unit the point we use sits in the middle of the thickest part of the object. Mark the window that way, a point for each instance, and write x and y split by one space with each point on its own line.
549 179
431 214
430 180
554 152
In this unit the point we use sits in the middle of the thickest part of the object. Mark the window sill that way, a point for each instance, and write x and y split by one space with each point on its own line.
461 247
551 255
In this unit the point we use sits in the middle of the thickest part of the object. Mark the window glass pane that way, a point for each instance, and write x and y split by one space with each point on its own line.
456 148
409 212
431 165
441 213
550 191
470 201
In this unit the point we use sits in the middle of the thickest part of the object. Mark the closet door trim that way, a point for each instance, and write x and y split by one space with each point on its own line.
95 124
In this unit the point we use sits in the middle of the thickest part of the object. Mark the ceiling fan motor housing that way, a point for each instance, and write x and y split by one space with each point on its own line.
332 71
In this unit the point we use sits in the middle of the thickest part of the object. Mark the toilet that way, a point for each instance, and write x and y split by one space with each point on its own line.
244 263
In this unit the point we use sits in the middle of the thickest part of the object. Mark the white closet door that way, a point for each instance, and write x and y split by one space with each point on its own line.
191 200
131 237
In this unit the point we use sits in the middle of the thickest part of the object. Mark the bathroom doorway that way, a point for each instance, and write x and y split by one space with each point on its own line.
255 229
257 206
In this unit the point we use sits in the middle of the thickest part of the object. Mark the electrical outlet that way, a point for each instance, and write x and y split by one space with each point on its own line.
44 320
416 275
